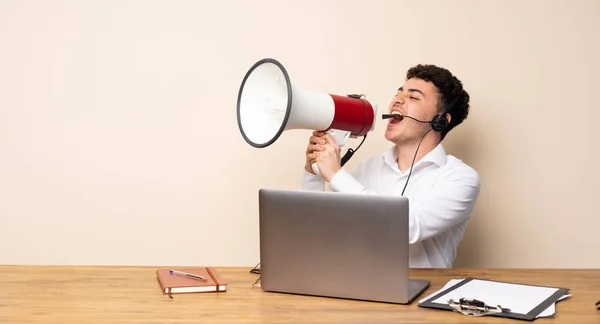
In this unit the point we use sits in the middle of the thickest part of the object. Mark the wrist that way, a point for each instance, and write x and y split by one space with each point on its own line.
330 177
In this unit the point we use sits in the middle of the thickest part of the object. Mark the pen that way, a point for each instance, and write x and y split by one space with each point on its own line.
191 275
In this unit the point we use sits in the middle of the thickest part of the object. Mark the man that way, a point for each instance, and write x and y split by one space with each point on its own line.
442 190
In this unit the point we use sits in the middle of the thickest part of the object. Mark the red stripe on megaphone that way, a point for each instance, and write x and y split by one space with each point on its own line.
352 114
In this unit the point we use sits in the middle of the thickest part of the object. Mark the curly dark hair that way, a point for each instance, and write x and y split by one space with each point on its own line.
452 97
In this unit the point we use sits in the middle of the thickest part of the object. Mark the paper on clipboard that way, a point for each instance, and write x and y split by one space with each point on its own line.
519 298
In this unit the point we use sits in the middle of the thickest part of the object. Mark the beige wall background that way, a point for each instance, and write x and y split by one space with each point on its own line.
119 142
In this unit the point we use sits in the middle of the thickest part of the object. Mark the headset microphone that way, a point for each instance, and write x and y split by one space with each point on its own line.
438 123
400 116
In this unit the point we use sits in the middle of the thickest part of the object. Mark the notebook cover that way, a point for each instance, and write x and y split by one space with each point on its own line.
174 283
532 315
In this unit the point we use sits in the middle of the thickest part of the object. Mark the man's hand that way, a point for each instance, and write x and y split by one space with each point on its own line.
316 144
323 150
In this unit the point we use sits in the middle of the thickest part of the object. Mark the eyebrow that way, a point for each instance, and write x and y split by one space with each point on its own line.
412 90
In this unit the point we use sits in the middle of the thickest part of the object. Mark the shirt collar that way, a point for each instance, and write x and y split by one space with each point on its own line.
437 156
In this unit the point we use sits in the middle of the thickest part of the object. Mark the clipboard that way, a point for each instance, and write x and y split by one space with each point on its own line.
524 302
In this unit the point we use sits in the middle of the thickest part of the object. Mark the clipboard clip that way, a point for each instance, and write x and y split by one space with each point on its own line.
474 307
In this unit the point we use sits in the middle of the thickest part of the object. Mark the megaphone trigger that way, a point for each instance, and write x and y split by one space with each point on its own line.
339 136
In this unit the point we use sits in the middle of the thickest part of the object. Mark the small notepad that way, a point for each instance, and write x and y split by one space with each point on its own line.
175 284
524 301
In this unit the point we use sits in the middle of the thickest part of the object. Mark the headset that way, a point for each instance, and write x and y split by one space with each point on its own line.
439 123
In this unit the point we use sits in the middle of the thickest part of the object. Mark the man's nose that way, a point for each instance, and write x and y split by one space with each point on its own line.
399 100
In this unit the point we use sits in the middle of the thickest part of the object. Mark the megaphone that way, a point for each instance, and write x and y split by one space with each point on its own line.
268 104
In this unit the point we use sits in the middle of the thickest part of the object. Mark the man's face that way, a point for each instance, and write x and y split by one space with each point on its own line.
416 98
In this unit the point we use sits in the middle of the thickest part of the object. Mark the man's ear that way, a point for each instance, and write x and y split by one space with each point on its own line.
448 117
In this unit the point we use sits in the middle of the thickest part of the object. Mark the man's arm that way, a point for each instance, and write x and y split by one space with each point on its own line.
432 210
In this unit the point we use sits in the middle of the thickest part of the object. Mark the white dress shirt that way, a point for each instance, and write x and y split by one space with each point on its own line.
442 193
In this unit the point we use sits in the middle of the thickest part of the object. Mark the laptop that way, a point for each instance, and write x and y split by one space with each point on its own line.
339 245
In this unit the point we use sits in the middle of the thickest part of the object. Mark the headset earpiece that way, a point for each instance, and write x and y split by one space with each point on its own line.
439 123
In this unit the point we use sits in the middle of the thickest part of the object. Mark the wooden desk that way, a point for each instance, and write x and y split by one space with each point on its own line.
65 294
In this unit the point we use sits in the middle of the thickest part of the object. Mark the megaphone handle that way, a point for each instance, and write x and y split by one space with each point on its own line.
315 168
340 139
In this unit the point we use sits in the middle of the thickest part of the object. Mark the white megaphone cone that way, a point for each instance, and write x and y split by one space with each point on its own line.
268 104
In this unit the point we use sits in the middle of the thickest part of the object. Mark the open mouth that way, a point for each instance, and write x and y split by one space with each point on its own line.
394 118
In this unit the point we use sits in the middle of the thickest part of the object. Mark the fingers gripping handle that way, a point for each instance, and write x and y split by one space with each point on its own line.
340 139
